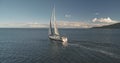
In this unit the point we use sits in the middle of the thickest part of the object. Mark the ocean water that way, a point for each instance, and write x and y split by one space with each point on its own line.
84 46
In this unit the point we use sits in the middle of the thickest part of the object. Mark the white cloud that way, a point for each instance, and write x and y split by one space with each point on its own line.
96 13
104 20
67 16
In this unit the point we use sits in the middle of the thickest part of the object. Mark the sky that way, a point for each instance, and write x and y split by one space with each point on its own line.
77 13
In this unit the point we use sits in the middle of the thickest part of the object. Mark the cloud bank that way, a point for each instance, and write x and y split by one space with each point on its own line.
73 24
96 22
60 24
23 25
104 20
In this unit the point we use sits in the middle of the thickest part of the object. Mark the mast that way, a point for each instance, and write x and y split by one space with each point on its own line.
55 24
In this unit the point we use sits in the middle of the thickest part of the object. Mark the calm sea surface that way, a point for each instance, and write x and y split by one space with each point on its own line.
84 46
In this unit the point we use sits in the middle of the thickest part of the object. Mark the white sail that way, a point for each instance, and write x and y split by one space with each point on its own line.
50 28
50 24
54 34
55 24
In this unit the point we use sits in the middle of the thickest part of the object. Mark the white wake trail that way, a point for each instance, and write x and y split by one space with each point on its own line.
97 50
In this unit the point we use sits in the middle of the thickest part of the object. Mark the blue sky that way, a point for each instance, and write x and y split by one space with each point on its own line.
27 11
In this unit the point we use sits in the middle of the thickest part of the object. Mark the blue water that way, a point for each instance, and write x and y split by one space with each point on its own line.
84 46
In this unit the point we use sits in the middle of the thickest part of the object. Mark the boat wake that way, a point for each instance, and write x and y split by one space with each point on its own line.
96 48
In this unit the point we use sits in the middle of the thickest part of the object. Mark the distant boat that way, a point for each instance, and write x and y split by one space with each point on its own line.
53 32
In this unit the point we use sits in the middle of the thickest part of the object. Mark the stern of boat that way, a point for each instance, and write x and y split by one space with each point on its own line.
64 39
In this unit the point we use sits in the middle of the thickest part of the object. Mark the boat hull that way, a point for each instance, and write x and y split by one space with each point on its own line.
58 38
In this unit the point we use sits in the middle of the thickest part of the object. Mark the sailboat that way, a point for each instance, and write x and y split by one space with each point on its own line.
53 31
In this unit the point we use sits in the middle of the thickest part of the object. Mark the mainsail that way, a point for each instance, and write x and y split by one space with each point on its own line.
50 29
55 24
55 32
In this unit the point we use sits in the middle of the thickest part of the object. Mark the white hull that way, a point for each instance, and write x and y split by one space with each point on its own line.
55 37
58 38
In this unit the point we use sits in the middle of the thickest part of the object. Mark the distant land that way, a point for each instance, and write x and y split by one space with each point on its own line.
112 26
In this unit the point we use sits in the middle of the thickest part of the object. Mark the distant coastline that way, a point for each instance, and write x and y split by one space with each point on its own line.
112 26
